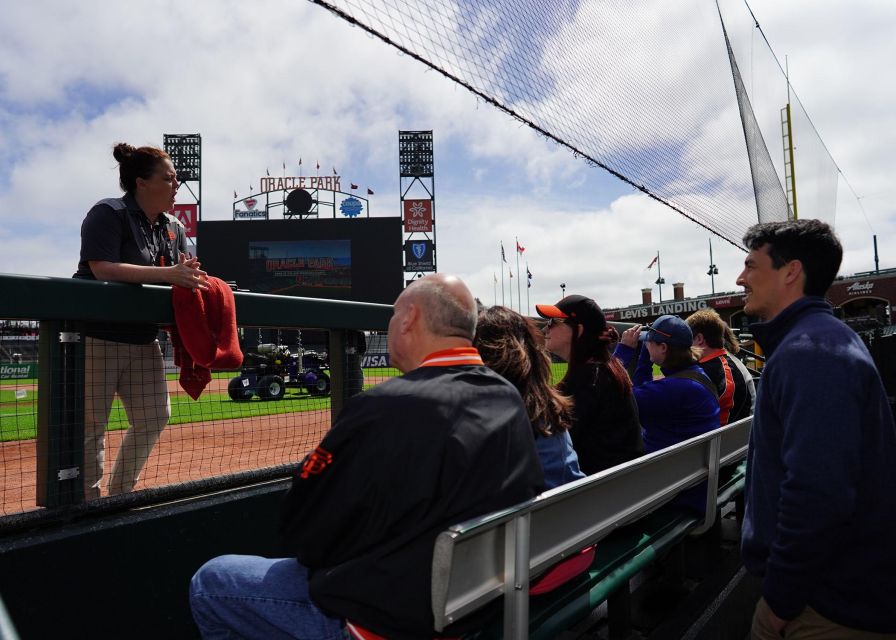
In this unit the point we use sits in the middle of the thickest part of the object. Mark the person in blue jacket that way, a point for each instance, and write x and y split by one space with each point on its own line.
680 405
821 484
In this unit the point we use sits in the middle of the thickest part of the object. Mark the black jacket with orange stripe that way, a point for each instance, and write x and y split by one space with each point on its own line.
404 461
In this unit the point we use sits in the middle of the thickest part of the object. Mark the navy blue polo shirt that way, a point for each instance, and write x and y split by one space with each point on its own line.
117 230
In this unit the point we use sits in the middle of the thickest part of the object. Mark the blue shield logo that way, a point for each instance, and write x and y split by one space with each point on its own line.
419 249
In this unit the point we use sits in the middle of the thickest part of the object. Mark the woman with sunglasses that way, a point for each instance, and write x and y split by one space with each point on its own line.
130 239
605 429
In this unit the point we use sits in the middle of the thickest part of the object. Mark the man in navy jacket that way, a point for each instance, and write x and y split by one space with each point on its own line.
821 488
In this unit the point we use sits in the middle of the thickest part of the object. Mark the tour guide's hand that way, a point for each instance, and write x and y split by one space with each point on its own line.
630 336
186 273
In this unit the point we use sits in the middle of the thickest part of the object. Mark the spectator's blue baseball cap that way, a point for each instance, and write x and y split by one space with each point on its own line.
668 329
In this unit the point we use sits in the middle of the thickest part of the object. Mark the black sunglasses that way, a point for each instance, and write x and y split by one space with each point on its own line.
554 322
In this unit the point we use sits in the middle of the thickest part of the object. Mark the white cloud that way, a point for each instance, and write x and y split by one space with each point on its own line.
273 81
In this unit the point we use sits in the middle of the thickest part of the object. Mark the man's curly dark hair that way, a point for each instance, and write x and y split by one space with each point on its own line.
812 242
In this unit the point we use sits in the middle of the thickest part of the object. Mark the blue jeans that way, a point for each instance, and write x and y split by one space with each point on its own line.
252 597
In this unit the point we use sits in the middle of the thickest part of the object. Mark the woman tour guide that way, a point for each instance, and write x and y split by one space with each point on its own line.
130 239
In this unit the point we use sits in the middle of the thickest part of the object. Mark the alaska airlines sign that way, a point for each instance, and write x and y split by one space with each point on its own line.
328 183
858 288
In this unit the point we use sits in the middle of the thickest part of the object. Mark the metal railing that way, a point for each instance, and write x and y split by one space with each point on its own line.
63 305
482 559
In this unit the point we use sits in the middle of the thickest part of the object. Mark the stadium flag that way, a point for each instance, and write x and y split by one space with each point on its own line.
268 172
354 186
369 191
284 167
528 278
495 276
234 195
300 167
318 165
653 262
335 173
503 257
510 272
519 248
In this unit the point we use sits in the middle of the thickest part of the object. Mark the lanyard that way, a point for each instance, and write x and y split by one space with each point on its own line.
154 237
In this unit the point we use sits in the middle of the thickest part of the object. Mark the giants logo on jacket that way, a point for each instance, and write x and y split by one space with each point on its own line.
315 463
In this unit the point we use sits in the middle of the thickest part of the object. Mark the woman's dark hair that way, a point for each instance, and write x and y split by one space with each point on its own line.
513 347
678 357
136 163
595 346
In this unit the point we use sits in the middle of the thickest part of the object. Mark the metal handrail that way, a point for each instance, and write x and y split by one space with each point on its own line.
24 297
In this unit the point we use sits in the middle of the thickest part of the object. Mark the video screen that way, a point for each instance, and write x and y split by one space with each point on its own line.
357 260
283 267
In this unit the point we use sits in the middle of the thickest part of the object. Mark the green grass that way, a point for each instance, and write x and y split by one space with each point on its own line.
18 418
15 381
215 375
558 370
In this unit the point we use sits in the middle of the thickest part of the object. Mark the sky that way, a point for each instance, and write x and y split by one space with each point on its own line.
269 82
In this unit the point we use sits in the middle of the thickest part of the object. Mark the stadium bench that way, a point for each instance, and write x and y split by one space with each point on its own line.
481 560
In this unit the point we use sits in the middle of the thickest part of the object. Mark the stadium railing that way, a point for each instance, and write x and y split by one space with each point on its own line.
62 305
481 560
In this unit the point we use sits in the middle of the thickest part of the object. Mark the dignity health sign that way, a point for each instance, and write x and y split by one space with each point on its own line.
417 215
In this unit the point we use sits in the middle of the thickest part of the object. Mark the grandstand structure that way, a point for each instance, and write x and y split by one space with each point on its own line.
18 341
865 301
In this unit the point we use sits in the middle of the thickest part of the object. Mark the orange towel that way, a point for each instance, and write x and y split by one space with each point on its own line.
204 335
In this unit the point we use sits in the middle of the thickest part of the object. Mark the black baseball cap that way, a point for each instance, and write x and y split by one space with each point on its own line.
576 308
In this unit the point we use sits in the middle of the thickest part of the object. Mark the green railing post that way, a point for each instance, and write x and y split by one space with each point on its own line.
60 414
337 372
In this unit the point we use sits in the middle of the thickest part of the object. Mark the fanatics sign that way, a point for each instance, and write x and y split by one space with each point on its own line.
417 215
187 214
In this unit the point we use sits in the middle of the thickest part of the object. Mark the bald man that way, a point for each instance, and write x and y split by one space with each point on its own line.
447 441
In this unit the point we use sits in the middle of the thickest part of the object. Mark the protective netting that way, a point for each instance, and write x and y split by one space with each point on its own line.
765 83
641 90
771 201
143 434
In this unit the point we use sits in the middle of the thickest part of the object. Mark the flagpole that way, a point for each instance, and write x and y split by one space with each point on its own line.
502 274
510 287
519 294
495 288
528 286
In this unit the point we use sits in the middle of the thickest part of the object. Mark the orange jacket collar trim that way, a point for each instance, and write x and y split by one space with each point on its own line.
715 353
452 357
